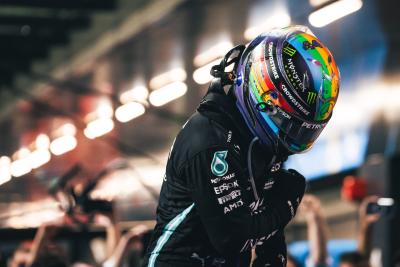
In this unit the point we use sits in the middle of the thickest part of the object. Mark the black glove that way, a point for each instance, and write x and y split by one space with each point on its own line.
287 191
272 252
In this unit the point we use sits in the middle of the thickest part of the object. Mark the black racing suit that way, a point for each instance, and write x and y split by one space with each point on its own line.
211 212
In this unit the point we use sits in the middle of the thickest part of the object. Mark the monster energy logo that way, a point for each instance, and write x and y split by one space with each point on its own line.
311 97
289 51
219 166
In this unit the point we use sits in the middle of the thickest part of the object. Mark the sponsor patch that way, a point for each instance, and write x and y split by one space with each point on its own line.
231 207
219 166
224 187
228 140
223 178
268 185
230 196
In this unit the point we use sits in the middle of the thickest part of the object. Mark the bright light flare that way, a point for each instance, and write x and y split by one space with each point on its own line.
118 184
39 157
5 172
316 3
385 201
129 111
202 75
104 110
98 127
174 75
212 53
21 165
334 11
63 144
67 129
42 141
280 19
167 93
138 93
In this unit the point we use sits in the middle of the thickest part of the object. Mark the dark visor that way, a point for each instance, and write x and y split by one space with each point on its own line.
295 130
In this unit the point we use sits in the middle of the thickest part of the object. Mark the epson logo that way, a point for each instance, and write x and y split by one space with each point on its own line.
224 187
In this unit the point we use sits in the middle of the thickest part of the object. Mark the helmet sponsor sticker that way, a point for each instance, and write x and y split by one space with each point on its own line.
311 97
300 81
294 100
314 44
290 51
219 166
294 77
271 60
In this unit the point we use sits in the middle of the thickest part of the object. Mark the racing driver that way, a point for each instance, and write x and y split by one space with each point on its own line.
225 198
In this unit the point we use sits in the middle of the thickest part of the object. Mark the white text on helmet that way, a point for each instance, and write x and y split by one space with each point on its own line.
313 126
294 101
271 60
295 76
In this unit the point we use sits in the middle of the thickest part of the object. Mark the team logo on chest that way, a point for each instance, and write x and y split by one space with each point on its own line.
219 166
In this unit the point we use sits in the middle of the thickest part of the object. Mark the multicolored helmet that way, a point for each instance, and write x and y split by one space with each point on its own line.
287 85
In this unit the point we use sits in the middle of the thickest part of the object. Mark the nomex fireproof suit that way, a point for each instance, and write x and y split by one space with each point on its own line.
223 194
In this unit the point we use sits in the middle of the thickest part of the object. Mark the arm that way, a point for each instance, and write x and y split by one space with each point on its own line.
366 221
119 252
112 229
316 228
217 179
42 237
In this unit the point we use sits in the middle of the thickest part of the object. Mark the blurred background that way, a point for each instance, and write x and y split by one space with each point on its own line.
93 92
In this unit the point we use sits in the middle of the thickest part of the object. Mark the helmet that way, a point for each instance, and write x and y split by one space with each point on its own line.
287 84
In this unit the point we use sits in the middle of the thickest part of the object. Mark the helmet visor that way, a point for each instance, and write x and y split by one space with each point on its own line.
296 134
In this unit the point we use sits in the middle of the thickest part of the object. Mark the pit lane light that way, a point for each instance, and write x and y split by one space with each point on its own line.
208 58
167 87
336 10
5 172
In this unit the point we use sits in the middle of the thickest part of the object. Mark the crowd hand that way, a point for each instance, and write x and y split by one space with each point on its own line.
367 219
310 207
138 230
317 229
49 229
76 218
113 232
104 218
133 234
43 238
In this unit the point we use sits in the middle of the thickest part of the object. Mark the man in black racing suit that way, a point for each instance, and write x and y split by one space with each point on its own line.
224 193
209 209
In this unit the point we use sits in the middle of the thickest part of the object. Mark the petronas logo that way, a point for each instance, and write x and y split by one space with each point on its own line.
289 51
311 97
219 166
